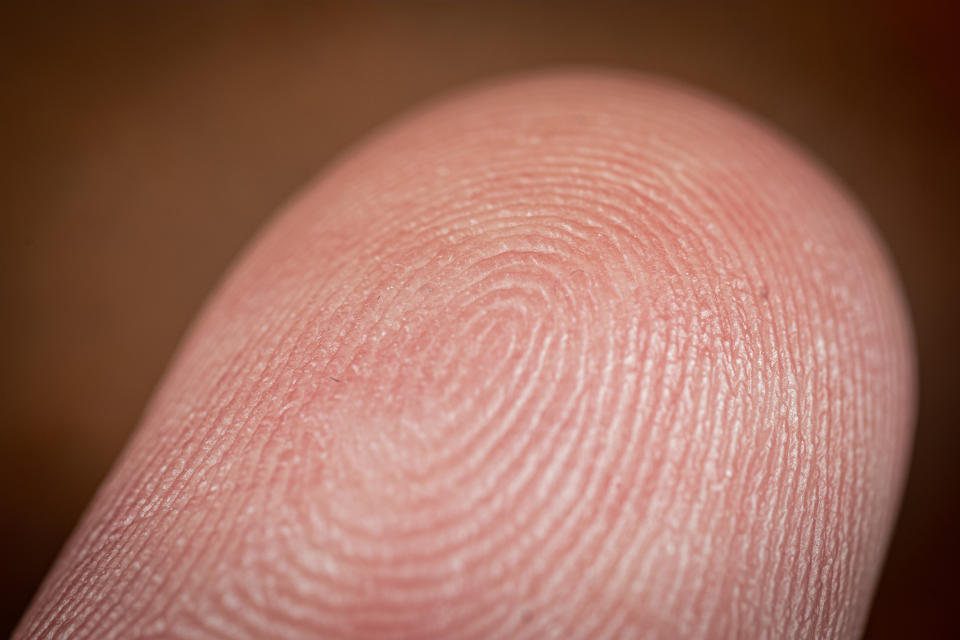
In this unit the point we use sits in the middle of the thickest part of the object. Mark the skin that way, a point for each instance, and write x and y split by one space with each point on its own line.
575 355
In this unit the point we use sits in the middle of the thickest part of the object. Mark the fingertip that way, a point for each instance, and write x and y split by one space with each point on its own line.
581 353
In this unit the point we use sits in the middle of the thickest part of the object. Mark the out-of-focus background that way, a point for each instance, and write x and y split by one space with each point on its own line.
142 144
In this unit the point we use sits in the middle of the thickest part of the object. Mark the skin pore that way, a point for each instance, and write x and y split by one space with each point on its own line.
575 355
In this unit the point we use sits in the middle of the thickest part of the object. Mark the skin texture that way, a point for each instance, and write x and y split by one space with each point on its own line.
578 355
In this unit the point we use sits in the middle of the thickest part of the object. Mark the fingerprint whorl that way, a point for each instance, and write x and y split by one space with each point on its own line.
479 447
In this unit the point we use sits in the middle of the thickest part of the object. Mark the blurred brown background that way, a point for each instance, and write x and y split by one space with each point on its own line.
143 144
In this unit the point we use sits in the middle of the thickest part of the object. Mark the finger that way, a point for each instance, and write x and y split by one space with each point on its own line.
579 355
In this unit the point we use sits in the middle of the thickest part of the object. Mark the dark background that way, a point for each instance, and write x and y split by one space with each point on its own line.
142 144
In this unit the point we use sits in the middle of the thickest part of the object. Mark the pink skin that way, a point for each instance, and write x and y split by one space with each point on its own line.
576 356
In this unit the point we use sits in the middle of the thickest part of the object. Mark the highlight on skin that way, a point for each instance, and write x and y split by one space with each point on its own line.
576 355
